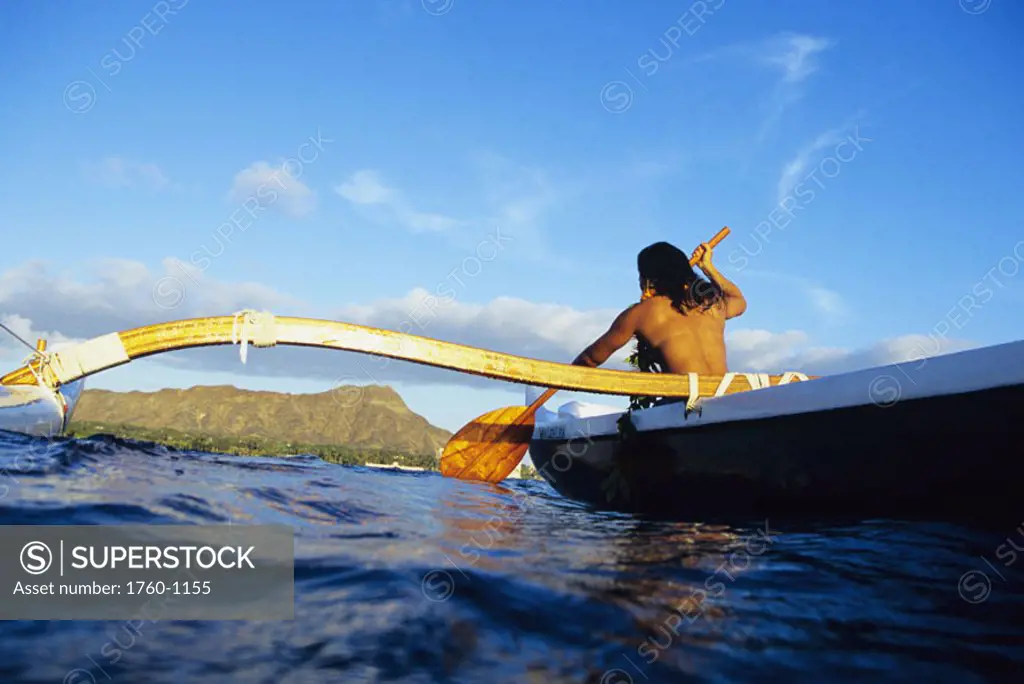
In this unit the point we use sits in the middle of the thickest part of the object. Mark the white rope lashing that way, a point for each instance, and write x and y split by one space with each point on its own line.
693 394
756 380
258 328
44 360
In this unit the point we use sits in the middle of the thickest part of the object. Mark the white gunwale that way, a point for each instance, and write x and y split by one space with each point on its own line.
883 386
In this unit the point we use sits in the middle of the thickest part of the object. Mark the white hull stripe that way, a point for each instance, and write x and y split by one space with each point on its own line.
967 371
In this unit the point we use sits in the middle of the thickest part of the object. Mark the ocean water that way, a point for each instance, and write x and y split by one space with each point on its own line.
411 577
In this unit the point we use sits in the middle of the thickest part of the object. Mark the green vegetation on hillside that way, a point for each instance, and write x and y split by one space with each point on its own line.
528 473
371 418
258 446
252 446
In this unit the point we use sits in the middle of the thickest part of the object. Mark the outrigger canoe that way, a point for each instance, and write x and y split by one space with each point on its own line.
933 437
937 437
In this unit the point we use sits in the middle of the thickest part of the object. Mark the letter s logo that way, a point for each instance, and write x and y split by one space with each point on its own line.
36 558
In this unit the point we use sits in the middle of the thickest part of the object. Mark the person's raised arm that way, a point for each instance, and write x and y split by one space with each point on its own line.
735 302
621 332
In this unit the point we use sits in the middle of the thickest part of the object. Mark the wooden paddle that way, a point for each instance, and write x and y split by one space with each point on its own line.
489 448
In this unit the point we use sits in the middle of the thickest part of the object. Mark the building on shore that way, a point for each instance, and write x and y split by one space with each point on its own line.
393 466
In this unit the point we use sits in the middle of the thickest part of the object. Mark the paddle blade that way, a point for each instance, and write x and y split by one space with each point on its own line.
489 448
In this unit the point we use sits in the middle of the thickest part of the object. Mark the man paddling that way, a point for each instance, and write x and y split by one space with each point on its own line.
679 322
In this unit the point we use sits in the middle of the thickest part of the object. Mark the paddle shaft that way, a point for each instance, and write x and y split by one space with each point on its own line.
542 399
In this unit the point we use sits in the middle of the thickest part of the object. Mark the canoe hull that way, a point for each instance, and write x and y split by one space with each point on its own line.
950 456
38 411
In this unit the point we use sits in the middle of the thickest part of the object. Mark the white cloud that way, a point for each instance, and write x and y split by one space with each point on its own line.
516 326
763 351
521 199
116 294
365 187
795 54
827 302
419 222
796 168
118 172
273 187
516 198
758 349
796 57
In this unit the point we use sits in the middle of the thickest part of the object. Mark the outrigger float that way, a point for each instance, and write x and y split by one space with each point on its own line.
932 437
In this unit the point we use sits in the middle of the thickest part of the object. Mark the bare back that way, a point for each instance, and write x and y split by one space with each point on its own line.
693 342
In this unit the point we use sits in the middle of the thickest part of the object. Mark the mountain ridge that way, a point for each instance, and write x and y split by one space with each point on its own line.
370 416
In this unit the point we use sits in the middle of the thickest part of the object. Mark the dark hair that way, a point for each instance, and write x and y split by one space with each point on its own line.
669 272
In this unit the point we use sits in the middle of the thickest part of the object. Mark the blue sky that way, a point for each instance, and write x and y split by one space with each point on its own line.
577 131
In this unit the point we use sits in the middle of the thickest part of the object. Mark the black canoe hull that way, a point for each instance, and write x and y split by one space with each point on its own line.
946 457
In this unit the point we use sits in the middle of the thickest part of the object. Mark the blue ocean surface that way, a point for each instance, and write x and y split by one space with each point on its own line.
411 577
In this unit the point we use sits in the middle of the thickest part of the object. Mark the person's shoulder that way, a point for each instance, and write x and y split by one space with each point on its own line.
639 310
648 305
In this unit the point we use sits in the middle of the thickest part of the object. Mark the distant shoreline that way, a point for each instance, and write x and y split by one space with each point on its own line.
257 445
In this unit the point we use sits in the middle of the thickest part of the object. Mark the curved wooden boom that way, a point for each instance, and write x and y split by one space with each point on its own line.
262 329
